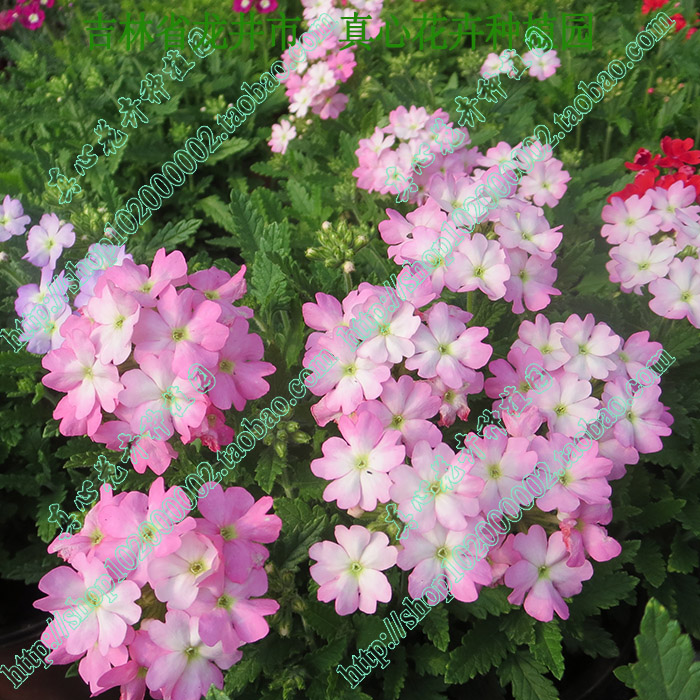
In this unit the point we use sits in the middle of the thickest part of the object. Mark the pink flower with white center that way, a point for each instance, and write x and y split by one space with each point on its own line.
530 281
151 388
635 352
645 421
185 668
350 572
145 285
132 514
132 675
240 371
545 183
358 464
46 242
542 578
301 102
449 191
13 221
590 346
94 664
228 615
332 104
567 400
583 482
583 532
526 424
392 339
407 124
111 258
679 295
397 229
377 143
176 577
629 217
406 405
687 229
528 230
49 337
92 541
320 78
491 66
107 627
433 473
478 264
454 401
500 153
350 380
237 523
324 315
213 431
506 461
424 552
115 314
218 286
640 262
512 372
282 134
543 65
544 337
192 333
667 201
70 425
445 349
74 368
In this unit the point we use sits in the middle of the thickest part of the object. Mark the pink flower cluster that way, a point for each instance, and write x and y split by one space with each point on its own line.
389 444
29 13
188 604
518 265
128 349
315 83
654 228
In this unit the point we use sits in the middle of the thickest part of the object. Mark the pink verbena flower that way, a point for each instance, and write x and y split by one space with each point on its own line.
679 295
46 242
350 572
543 65
358 464
282 134
542 578
13 221
590 346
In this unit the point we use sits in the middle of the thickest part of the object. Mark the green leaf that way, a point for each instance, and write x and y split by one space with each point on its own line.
526 679
604 591
268 282
481 649
547 647
329 656
684 558
665 669
269 467
658 513
650 562
429 660
170 236
491 601
518 626
395 675
242 674
437 626
216 694
217 210
247 223
322 619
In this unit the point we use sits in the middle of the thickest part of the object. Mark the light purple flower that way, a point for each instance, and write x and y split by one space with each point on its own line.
12 221
46 242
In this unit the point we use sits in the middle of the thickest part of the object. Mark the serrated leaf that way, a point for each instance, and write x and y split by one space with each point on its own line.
684 558
429 660
268 468
547 647
526 679
170 236
491 601
650 562
322 619
217 210
242 674
329 656
395 675
665 669
437 626
268 282
216 694
480 650
518 626
658 513
604 591
247 223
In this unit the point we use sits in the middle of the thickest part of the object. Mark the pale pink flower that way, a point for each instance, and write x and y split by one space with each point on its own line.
629 217
13 221
282 134
567 400
542 578
679 295
350 572
667 201
531 280
185 667
639 262
543 64
546 338
528 230
590 347
358 464
584 533
545 183
115 314
479 264
46 242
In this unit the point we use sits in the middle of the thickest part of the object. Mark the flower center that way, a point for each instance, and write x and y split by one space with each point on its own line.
560 409
212 294
92 599
442 553
119 322
147 286
228 532
397 422
494 471
643 266
225 602
87 373
179 334
362 462
148 533
196 567
546 349
384 329
350 370
686 297
96 538
444 349
226 366
192 653
542 571
449 396
436 488
479 271
356 568
583 350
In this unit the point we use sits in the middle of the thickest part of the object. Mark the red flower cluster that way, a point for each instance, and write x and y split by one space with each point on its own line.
678 154
681 22
29 13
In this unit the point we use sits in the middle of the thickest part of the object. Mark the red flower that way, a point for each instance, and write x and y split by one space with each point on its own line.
642 182
680 21
643 160
649 5
678 152
690 32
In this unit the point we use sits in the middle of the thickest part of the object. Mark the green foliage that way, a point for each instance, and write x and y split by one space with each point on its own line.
665 669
